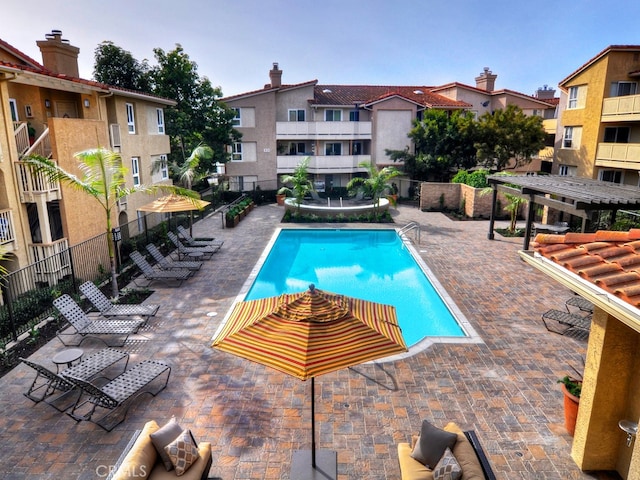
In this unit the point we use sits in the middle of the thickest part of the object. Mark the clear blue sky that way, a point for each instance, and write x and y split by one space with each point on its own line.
377 42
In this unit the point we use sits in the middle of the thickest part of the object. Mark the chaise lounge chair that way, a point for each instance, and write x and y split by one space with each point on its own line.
197 242
172 278
122 390
566 321
580 303
48 383
85 326
100 301
168 263
184 251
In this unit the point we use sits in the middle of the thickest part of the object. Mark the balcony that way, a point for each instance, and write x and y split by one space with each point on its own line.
323 130
621 109
618 155
323 164
52 260
7 230
35 185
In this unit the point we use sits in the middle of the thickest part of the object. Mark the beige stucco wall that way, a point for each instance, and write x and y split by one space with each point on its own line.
392 121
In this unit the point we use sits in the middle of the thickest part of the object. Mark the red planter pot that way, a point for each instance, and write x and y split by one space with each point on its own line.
571 404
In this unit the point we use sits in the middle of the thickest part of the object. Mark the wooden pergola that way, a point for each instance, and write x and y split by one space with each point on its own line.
573 195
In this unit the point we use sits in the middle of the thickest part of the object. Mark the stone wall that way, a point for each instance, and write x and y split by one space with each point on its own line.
435 196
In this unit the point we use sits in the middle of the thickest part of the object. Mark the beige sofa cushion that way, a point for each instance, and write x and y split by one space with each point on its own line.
142 457
465 455
195 471
411 469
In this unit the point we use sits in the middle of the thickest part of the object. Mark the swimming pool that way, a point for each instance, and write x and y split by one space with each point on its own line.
374 265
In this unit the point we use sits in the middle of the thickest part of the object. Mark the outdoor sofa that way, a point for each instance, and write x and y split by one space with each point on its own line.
467 451
140 458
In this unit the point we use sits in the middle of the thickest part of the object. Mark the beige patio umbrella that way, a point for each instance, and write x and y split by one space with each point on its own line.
174 203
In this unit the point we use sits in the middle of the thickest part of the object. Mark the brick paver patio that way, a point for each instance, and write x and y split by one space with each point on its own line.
504 388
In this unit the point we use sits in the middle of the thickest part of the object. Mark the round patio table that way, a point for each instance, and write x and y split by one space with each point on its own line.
67 357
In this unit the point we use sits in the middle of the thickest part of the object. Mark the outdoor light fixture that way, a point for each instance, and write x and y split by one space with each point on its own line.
630 428
86 103
47 103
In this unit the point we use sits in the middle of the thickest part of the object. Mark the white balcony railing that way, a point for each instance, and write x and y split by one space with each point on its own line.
34 185
622 154
616 109
323 130
324 163
52 260
7 230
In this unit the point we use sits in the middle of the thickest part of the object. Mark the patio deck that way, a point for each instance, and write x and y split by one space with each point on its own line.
255 417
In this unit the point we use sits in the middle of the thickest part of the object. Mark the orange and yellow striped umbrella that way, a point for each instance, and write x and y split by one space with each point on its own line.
311 333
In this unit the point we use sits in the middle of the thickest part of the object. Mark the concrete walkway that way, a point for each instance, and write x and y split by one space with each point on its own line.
504 388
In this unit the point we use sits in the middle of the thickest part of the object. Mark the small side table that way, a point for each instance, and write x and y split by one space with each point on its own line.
67 357
195 255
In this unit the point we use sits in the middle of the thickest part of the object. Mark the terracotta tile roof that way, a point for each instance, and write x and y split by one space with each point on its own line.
23 57
368 94
269 88
608 259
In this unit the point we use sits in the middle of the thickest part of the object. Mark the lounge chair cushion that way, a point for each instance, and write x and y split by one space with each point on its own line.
163 437
448 467
465 454
142 456
432 444
183 452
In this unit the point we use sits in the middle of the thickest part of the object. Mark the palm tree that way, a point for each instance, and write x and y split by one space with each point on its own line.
377 183
299 181
104 180
189 173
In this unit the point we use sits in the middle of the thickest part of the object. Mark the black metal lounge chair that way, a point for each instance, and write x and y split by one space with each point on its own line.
566 321
85 326
100 301
582 304
168 263
197 242
122 390
47 383
172 278
185 251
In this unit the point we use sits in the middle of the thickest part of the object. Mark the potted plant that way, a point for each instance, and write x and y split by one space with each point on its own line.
571 388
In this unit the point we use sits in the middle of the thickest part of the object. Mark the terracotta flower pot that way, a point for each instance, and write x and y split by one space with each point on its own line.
571 403
280 199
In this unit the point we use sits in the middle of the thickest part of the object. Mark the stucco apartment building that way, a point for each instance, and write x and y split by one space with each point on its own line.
598 132
47 109
340 126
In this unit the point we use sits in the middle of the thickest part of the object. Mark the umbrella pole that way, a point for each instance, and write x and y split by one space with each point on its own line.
313 424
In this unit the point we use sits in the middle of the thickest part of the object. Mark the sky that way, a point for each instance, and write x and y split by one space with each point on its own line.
350 42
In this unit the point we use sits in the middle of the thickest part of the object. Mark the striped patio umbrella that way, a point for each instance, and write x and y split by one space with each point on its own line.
311 333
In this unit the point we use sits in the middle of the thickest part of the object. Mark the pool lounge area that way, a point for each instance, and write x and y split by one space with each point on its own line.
503 387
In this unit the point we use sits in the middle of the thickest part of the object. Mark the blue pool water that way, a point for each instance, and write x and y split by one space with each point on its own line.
373 265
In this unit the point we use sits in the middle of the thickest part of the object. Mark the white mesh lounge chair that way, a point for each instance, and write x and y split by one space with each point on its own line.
51 387
168 263
114 395
173 278
100 301
189 241
81 324
185 251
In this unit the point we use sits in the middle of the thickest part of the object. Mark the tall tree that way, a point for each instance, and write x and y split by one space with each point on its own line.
103 179
117 67
508 138
444 143
199 116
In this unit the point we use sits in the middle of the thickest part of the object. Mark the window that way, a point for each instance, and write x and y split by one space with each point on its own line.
297 148
160 119
296 115
354 116
621 89
614 176
131 119
356 148
333 149
573 97
236 152
616 135
135 170
333 115
563 170
13 106
567 140
164 167
237 120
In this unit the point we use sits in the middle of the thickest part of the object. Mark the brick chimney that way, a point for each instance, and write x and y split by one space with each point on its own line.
545 93
276 76
486 80
58 55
